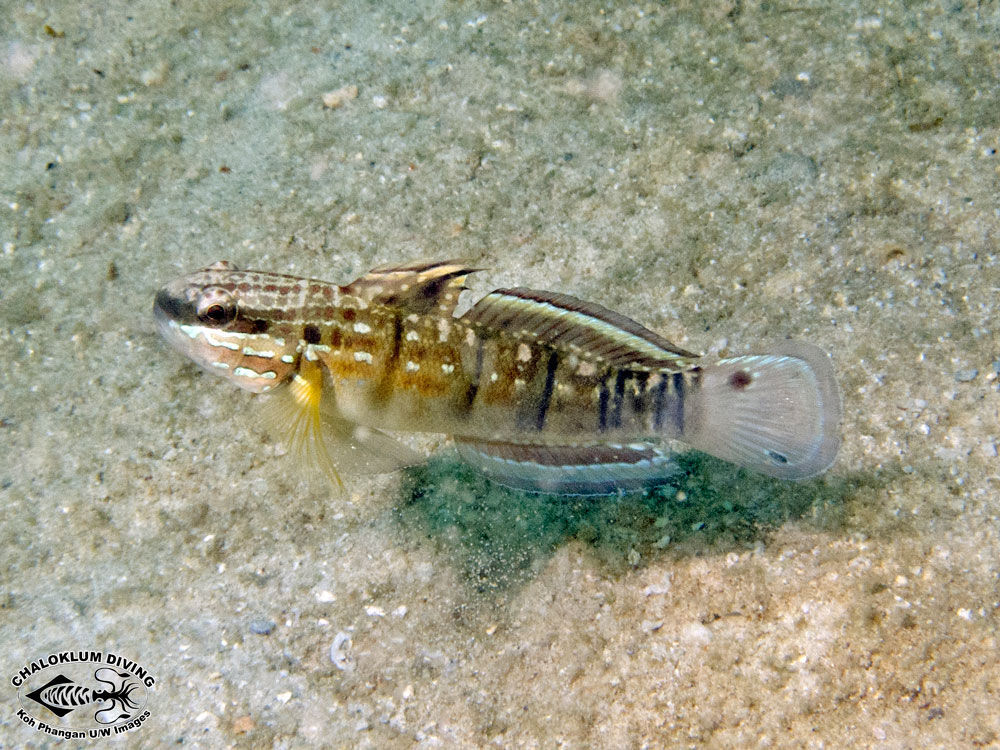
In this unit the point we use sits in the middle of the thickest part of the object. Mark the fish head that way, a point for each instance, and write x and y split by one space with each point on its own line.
219 318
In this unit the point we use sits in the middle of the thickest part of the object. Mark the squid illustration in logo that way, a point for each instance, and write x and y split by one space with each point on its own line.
115 702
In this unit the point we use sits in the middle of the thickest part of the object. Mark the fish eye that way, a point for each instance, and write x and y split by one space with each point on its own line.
217 314
216 306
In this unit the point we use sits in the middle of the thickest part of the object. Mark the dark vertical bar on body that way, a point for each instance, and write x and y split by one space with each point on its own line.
619 397
678 402
546 397
639 400
474 377
602 399
383 389
659 399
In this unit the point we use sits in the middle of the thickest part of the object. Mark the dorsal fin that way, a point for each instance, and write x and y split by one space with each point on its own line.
591 330
421 287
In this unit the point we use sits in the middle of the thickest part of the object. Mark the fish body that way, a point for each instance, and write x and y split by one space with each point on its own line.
540 390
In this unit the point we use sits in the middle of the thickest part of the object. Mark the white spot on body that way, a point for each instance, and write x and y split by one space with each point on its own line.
287 358
220 365
219 342
246 372
586 369
363 357
250 352
494 377
523 352
447 369
444 329
191 332
312 351
412 335
362 328
412 367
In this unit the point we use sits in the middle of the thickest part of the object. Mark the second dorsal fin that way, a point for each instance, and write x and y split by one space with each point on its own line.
592 330
422 287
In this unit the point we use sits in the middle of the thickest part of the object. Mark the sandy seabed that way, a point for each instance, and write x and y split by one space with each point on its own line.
727 173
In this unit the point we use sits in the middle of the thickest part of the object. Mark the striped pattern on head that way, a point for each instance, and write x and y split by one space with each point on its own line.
247 326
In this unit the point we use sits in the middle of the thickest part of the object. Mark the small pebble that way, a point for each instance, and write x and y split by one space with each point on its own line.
243 724
658 589
965 376
262 627
336 99
996 366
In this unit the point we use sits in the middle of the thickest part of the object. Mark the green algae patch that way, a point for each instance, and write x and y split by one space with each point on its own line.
499 538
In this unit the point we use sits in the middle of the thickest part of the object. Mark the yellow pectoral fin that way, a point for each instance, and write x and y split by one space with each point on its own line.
296 415
323 439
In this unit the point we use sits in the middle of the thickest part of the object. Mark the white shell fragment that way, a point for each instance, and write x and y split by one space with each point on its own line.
339 652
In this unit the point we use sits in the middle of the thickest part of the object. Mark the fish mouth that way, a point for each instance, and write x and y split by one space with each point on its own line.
172 307
185 339
173 304
169 312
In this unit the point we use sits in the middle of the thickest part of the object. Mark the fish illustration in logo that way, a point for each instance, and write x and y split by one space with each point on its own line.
61 695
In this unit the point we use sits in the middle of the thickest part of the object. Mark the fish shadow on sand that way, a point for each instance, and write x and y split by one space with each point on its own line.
500 538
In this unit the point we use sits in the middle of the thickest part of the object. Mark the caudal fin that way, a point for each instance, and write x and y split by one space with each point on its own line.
775 413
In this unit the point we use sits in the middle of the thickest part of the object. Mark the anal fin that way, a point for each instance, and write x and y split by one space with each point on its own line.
569 469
